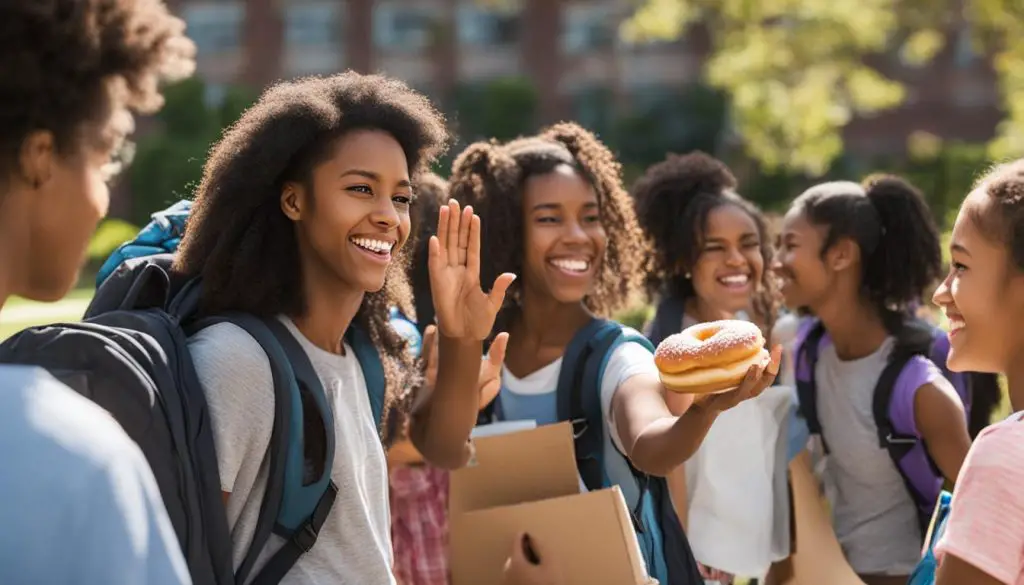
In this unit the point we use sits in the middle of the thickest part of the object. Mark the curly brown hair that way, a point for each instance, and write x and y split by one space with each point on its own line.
491 176
241 243
69 64
673 200
431 194
1004 219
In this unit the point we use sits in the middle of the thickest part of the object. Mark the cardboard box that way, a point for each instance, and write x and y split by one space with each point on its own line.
526 481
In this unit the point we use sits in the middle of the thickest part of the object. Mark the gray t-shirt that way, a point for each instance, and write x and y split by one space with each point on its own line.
875 519
354 545
78 502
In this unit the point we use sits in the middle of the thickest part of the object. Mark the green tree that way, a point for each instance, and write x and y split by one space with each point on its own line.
168 162
796 73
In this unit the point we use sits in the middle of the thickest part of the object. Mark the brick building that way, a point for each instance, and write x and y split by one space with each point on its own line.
567 47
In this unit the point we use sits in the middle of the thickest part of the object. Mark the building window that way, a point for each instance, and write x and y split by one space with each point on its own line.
214 27
312 24
588 28
403 27
483 27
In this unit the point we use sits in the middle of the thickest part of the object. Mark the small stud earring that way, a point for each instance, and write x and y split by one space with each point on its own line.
687 276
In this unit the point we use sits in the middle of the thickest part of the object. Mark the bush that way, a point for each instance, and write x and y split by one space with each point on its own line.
111 234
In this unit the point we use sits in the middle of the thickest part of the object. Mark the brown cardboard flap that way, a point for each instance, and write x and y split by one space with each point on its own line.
518 467
589 536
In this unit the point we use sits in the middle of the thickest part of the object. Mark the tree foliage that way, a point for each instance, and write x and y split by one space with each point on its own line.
796 70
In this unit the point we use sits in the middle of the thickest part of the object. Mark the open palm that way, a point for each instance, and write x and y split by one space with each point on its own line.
463 309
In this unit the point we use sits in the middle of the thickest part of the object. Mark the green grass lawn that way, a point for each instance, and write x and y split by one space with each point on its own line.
19 313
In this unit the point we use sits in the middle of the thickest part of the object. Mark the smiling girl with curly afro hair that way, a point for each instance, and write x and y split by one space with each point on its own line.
711 261
555 212
301 215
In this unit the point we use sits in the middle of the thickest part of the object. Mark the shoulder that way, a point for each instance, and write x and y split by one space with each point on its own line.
1000 448
227 351
44 415
232 368
67 445
628 359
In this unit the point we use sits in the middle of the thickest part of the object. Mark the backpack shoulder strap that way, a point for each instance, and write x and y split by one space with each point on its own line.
806 348
668 319
373 370
897 436
579 399
291 508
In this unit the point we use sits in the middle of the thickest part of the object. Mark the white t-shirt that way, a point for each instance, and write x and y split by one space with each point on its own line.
354 545
736 486
533 398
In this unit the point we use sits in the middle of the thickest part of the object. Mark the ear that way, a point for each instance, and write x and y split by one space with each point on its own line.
842 255
293 200
37 158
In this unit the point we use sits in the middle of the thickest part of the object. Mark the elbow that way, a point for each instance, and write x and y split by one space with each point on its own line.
650 465
450 458
448 455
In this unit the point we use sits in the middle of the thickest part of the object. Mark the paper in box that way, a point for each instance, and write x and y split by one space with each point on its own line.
527 482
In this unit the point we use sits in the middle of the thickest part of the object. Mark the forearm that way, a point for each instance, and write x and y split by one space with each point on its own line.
440 428
668 442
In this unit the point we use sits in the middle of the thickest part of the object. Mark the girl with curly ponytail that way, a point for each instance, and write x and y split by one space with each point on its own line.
554 212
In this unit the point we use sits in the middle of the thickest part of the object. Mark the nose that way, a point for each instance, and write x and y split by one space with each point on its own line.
776 263
574 233
735 258
385 214
944 293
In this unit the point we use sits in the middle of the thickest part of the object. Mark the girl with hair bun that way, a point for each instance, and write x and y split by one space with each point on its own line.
857 257
554 211
983 297
710 256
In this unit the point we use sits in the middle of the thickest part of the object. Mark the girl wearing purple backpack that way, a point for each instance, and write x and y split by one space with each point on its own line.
855 256
983 297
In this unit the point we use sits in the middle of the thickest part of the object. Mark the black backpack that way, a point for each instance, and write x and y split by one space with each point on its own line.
130 356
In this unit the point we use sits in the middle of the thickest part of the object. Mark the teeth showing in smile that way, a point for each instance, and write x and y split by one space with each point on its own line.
571 265
735 280
956 324
376 246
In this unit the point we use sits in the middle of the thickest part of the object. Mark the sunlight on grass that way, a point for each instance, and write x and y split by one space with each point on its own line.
19 313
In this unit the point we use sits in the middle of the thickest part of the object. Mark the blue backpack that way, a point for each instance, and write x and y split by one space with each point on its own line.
130 356
663 542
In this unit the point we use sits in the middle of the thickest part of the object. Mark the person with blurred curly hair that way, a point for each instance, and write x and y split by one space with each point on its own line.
78 501
554 211
302 215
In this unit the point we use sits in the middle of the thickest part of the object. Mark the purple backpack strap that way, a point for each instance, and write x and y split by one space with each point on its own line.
898 433
810 338
960 380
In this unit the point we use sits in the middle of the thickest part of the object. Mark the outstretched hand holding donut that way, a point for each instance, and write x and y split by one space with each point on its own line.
758 378
720 363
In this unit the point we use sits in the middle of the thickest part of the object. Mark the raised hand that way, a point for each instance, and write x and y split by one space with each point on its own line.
758 378
489 381
464 310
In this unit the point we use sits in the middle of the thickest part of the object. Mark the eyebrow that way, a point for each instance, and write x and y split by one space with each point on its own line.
960 248
373 176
